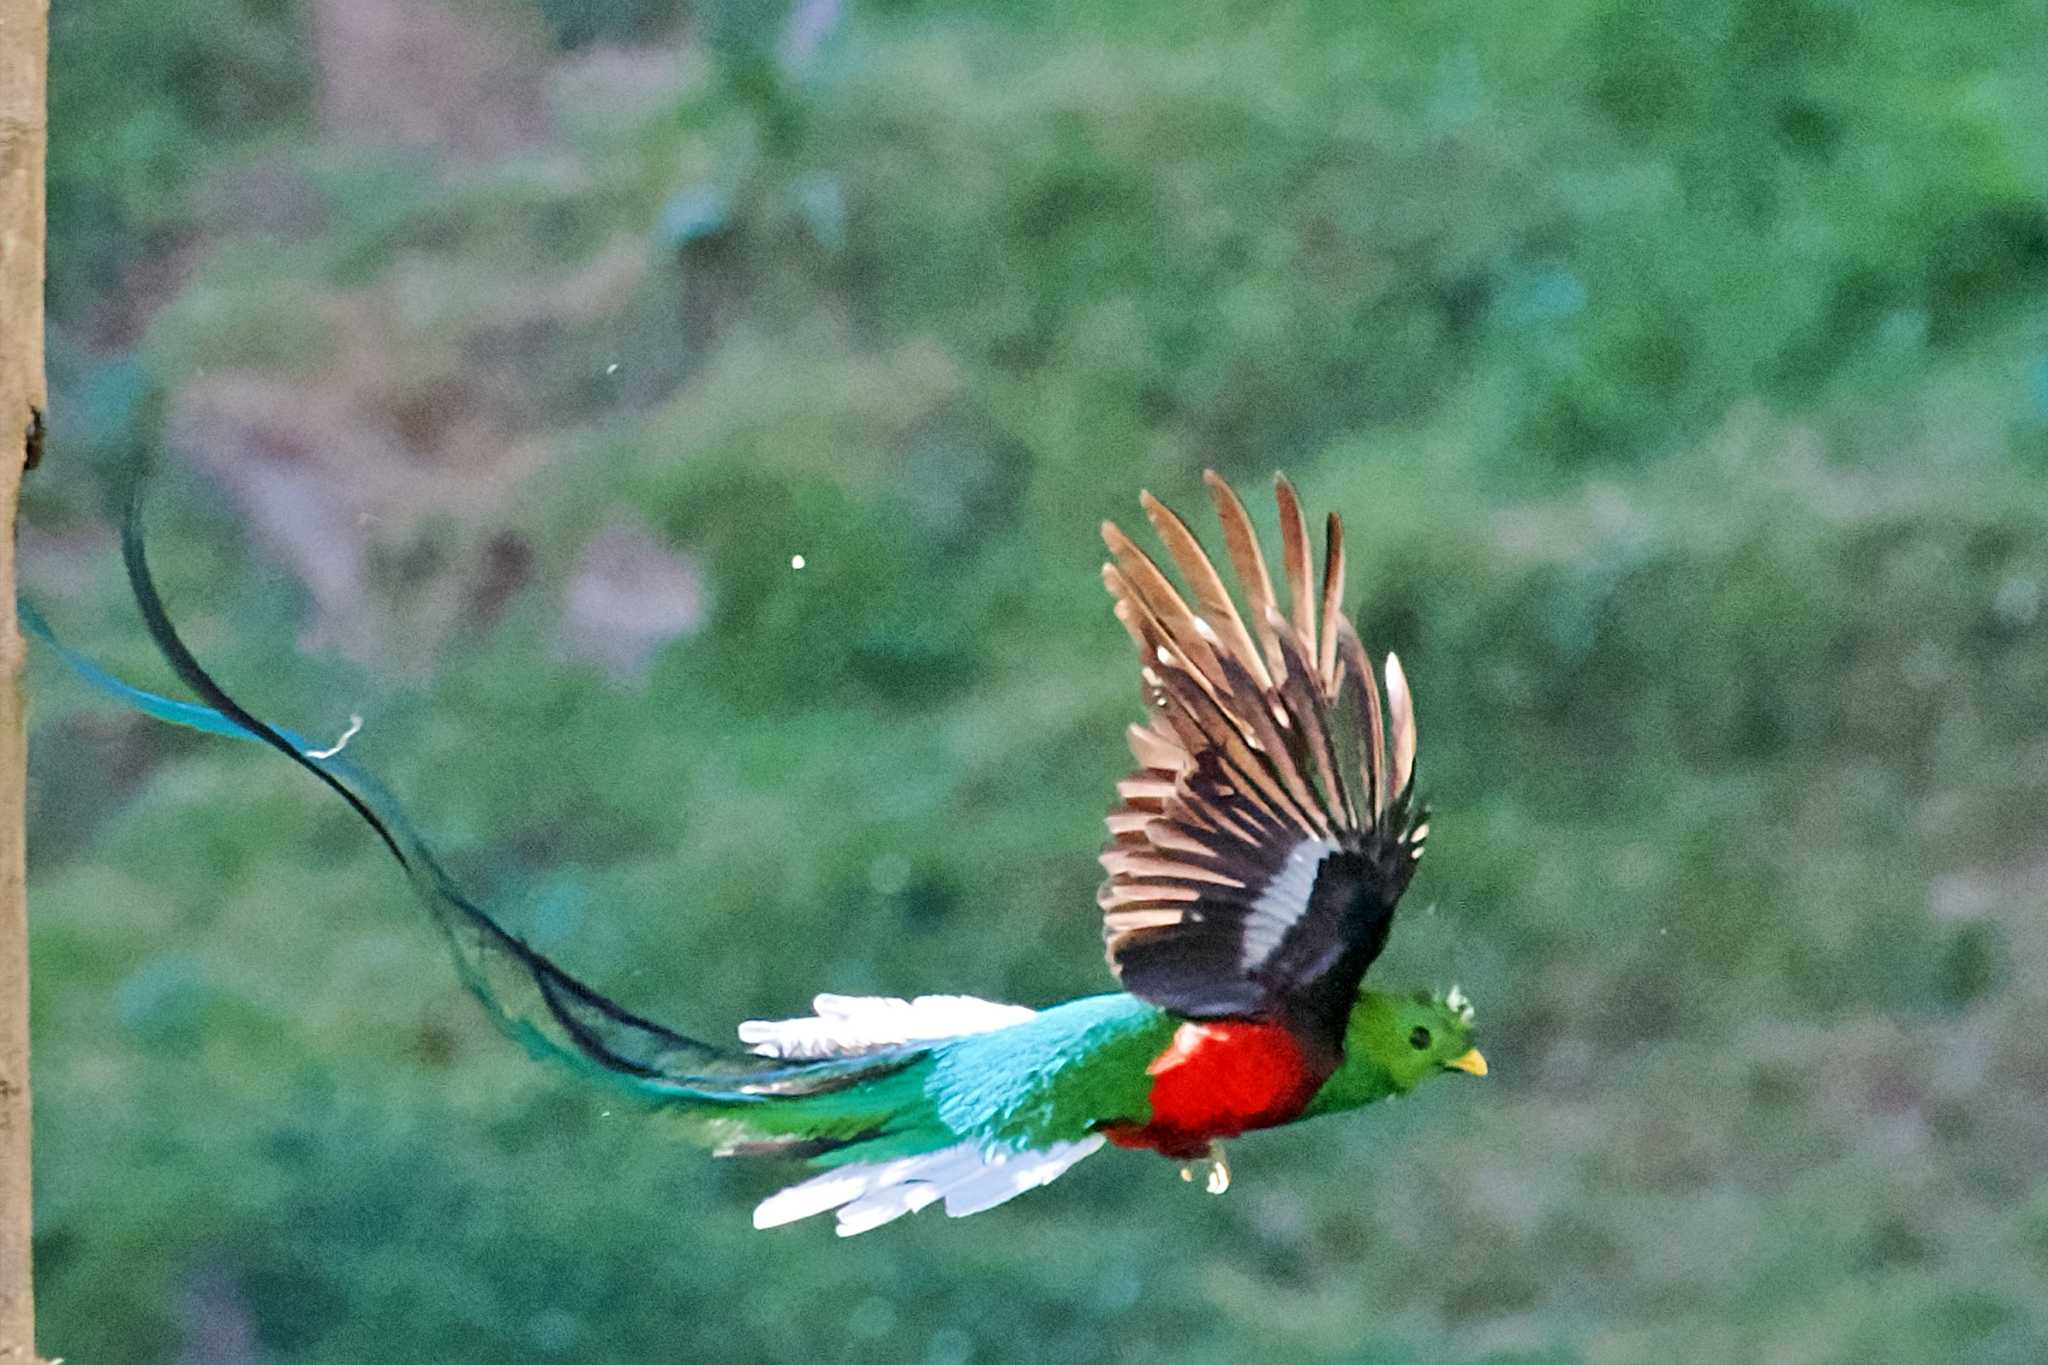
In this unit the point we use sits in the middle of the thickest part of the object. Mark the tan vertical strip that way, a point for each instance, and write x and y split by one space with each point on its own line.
24 53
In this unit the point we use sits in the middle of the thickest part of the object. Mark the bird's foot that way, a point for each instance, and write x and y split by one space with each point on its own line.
1217 1177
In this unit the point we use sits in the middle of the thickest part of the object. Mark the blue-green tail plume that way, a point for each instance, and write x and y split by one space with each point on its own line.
536 1002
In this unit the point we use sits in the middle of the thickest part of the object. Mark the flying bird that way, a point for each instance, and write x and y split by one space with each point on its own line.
1255 858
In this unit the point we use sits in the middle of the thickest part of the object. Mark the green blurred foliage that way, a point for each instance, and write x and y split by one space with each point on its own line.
1681 371
155 93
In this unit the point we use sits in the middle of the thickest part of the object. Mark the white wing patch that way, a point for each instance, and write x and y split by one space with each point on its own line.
1283 901
968 1178
846 1025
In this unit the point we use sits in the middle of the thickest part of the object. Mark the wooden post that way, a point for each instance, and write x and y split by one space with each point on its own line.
24 55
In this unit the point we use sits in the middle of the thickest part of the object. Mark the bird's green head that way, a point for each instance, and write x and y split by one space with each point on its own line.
1413 1036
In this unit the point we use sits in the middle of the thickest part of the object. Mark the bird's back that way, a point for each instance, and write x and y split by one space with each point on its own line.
1055 1077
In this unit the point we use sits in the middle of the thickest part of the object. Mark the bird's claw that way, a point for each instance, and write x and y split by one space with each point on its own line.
1217 1177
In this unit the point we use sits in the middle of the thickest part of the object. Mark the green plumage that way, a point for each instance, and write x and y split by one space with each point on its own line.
1054 1078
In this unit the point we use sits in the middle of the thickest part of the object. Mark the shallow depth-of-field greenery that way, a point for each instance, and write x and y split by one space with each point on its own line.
1680 369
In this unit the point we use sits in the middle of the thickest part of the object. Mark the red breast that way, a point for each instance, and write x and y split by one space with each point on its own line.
1217 1080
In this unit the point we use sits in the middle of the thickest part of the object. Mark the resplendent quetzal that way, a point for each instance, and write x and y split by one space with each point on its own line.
1255 858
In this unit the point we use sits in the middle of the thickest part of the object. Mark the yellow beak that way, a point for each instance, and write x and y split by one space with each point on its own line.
1471 1063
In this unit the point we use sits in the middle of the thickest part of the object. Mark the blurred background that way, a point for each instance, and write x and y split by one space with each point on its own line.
1680 369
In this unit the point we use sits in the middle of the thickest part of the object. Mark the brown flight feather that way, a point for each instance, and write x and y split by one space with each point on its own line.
1296 556
1333 601
1212 598
1242 541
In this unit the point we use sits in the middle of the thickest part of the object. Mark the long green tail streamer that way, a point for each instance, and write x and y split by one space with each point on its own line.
535 1002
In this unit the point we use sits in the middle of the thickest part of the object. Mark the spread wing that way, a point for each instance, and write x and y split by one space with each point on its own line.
1256 855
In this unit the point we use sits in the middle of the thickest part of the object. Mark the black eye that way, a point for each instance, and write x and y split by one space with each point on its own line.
1419 1039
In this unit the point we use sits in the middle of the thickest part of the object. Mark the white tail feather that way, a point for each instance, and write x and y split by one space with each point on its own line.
844 1025
969 1179
884 1206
